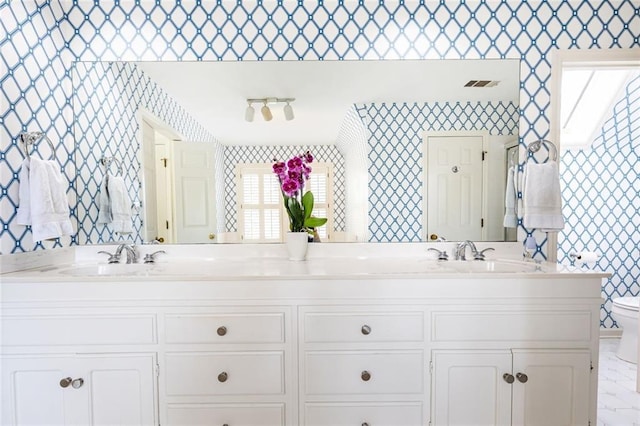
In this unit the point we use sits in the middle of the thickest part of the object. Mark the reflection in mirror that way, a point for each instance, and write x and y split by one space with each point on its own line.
378 130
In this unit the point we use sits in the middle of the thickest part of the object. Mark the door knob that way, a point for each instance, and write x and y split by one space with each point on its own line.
65 382
212 236
77 383
522 378
222 330
365 376
365 330
508 378
222 377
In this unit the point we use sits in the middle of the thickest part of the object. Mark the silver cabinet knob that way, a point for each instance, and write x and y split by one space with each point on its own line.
366 330
508 378
365 376
65 382
222 330
77 383
365 424
522 378
222 377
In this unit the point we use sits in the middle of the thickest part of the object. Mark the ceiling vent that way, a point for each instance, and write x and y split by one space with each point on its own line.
481 83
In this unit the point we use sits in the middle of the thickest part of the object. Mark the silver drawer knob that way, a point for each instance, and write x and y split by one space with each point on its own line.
65 382
365 330
77 383
365 376
221 330
508 378
522 378
365 424
222 377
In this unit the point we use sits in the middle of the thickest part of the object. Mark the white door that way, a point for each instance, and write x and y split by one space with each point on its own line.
164 193
96 390
195 196
149 203
454 187
555 389
468 388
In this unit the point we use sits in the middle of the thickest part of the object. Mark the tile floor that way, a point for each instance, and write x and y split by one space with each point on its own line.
618 401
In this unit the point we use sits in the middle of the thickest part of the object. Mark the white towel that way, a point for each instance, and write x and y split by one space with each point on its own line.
115 205
510 197
542 202
43 200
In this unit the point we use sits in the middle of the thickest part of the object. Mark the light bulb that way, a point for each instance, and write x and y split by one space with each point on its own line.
288 112
266 113
249 113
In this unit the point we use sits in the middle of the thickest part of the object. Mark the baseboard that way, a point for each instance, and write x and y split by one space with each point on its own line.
610 333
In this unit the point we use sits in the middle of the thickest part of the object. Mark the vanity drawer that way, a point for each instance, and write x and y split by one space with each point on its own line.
512 326
225 414
355 414
352 327
356 372
225 328
224 373
57 330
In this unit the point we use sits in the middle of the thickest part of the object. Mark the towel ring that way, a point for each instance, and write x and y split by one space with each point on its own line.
535 147
32 138
108 161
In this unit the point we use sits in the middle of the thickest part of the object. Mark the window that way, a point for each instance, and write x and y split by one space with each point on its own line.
261 214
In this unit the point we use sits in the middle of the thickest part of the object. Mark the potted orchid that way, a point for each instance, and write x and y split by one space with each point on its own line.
292 176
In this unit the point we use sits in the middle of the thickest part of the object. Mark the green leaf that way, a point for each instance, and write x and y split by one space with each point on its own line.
314 222
296 215
307 204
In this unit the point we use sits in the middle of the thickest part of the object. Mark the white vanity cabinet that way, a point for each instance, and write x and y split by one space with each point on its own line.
300 349
88 389
363 365
68 366
227 366
502 366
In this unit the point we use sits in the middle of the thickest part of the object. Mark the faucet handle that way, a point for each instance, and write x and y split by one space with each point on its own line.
151 257
113 257
479 255
442 254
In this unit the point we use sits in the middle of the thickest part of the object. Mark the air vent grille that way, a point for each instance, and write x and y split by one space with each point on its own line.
481 83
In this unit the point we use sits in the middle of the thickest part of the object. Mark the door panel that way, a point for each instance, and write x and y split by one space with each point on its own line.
454 187
468 388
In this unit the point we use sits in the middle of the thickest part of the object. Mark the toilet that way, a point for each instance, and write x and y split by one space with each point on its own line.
625 313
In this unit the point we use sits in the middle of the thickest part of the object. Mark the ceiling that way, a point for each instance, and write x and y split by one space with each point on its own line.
215 93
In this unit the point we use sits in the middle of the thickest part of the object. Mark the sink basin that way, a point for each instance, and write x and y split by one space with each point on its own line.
494 266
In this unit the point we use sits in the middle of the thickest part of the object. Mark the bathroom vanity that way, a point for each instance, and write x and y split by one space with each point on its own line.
334 340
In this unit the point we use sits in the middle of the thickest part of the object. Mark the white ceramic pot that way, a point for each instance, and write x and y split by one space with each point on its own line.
296 243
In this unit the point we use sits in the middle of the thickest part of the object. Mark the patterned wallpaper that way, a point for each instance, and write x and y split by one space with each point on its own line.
107 100
396 157
601 197
40 40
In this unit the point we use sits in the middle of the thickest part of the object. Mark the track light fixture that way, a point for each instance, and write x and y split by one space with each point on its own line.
267 115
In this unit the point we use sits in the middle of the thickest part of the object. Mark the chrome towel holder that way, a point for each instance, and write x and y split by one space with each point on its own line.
551 147
33 138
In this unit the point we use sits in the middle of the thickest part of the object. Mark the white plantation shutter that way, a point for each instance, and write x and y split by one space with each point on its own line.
261 213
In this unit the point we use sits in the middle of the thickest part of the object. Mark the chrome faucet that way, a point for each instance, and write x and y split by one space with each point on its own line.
460 251
461 248
130 248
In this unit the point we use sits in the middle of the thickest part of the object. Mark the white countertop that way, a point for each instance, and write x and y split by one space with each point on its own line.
269 262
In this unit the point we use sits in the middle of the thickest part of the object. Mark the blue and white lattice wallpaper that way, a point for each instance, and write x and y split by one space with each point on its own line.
41 41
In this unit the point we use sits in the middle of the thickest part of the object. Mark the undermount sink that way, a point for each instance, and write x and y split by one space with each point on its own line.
495 266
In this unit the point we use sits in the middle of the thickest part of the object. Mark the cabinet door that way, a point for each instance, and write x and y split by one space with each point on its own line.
32 394
555 389
102 390
468 388
120 389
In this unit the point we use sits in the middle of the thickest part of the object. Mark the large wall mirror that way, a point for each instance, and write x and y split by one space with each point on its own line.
404 150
